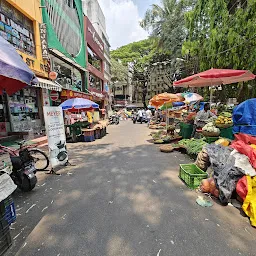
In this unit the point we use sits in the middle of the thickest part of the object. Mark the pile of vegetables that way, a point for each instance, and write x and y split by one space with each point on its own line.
209 186
222 141
193 146
224 119
211 128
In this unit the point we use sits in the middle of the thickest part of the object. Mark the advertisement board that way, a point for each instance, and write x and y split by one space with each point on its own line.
54 125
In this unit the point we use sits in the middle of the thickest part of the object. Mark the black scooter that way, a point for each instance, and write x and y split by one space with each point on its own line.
23 172
114 119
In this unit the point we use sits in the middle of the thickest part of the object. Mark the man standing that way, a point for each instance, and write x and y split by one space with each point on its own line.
202 117
148 115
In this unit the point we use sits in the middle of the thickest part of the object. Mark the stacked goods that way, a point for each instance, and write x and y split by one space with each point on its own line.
224 120
193 146
202 160
211 130
209 186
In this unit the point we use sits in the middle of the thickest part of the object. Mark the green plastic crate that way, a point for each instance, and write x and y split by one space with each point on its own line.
191 175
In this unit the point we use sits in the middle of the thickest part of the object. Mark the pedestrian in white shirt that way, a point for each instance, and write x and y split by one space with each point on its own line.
148 115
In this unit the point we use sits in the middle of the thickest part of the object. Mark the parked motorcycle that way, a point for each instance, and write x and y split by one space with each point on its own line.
23 172
114 119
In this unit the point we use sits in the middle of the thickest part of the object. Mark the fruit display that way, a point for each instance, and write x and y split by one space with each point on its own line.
224 120
223 142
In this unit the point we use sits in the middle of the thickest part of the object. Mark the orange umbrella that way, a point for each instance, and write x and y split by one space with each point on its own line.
160 99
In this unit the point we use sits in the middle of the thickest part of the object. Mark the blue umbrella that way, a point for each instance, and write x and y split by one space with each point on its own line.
14 72
78 103
178 104
150 107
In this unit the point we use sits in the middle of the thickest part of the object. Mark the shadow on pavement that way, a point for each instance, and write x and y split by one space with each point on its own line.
127 201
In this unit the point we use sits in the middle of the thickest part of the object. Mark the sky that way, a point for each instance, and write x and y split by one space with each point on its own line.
122 20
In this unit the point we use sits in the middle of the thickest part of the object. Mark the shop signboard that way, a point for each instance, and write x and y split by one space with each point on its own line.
44 44
54 95
73 94
54 125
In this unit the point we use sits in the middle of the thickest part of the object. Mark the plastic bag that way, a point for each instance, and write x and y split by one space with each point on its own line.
242 188
225 173
245 149
7 186
249 205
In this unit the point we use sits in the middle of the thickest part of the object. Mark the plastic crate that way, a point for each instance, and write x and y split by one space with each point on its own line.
7 210
89 138
97 134
210 140
191 175
5 240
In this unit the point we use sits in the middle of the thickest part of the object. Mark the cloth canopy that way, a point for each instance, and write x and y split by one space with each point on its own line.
78 103
214 76
14 72
160 99
191 97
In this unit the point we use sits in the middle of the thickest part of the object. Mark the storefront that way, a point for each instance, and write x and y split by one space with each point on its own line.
20 25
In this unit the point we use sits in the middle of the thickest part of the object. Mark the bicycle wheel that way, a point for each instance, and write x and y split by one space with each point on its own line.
40 158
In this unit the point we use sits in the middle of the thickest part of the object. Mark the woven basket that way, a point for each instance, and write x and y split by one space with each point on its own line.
223 125
210 134
166 148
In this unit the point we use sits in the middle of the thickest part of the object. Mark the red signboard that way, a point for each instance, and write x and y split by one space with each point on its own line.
54 95
73 94
93 39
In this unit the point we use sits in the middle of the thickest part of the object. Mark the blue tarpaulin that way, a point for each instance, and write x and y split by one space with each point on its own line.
244 117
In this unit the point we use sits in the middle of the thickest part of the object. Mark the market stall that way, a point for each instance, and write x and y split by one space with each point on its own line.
223 168
82 120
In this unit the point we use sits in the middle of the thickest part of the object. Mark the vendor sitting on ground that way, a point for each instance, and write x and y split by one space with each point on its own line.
201 118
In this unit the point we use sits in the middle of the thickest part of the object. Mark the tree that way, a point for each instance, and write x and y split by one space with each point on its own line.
222 34
138 56
167 24
118 71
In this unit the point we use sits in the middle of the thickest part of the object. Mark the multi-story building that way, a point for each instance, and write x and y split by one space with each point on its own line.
95 63
21 25
65 32
95 14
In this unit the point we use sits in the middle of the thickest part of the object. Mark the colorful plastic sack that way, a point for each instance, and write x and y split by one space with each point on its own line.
242 188
245 149
249 205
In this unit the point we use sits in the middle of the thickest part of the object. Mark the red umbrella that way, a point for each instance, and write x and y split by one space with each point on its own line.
215 77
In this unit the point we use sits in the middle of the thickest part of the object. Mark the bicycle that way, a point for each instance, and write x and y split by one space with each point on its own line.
40 159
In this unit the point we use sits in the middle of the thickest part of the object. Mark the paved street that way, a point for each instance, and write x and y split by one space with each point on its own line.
123 197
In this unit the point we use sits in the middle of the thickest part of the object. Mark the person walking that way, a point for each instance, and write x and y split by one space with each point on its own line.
140 115
148 115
